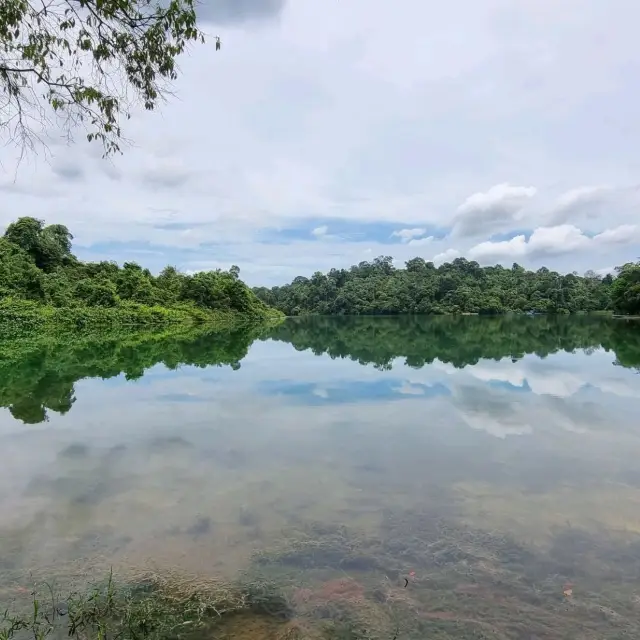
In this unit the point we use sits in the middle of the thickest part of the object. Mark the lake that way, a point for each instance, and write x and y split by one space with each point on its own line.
464 477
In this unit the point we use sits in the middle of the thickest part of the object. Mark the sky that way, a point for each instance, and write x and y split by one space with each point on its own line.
327 132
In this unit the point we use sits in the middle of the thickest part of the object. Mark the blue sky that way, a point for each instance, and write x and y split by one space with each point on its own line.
324 134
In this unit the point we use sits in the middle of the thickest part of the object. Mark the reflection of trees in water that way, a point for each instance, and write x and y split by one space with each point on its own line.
44 381
459 340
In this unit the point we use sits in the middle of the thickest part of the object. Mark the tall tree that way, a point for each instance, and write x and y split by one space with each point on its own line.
625 293
48 246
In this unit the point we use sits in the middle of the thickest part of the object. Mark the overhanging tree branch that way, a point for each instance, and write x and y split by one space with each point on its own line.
88 62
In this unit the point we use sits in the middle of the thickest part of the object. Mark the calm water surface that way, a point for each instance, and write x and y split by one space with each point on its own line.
490 456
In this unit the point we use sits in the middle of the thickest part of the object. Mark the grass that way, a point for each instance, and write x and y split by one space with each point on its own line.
151 607
421 576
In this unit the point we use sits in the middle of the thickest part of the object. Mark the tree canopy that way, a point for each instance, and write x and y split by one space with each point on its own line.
37 266
461 286
88 62
625 291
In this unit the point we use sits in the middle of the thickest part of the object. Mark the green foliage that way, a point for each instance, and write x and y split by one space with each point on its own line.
462 286
43 284
625 291
95 293
37 374
22 317
48 247
151 608
18 273
90 60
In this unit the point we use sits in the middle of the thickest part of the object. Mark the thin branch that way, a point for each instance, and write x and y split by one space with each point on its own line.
88 55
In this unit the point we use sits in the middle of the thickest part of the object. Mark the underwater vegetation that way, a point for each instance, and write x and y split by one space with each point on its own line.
423 575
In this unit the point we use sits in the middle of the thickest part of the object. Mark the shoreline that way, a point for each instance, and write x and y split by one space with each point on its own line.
19 319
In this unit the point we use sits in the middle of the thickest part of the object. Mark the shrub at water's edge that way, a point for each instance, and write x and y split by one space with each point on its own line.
43 285
24 317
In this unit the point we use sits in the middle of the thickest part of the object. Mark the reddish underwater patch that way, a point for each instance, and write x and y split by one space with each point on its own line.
338 590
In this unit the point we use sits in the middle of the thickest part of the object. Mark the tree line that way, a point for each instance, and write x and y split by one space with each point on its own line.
461 286
38 269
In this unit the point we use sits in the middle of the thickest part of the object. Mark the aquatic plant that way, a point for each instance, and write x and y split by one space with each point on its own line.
149 606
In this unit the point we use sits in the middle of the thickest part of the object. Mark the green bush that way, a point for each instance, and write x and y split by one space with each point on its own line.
42 284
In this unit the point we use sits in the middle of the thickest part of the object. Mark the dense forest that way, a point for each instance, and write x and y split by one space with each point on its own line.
41 282
461 286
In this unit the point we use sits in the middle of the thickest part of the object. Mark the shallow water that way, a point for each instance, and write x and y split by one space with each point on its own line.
370 440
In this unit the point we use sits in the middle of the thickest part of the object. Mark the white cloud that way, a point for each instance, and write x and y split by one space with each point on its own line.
624 234
421 242
408 234
446 256
501 196
411 237
579 197
366 111
485 212
547 241
589 205
322 233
